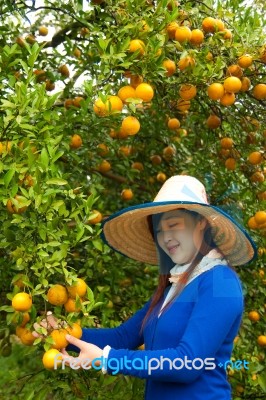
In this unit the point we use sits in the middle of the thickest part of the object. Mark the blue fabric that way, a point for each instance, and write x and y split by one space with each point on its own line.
201 323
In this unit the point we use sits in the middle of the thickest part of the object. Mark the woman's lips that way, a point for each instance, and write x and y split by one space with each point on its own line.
172 249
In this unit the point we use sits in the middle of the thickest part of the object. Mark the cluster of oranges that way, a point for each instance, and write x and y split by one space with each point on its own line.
57 295
258 221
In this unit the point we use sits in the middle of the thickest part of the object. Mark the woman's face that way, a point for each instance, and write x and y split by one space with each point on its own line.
180 235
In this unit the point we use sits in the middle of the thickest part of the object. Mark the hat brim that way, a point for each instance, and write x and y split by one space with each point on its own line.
127 232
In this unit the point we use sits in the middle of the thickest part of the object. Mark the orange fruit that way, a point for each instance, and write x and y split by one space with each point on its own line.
255 158
25 336
234 70
257 177
228 99
208 24
169 152
43 31
156 159
230 164
17 318
171 28
22 301
70 306
114 104
68 103
245 61
226 143
14 209
173 123
57 295
104 166
161 177
197 37
245 84
183 105
126 92
187 91
254 316
130 125
137 165
186 62
144 91
49 361
79 288
102 149
252 224
137 45
232 84
259 91
261 340
77 101
262 195
125 150
170 67
219 25
260 217
215 91
213 121
98 218
59 338
99 107
49 85
127 194
135 80
209 56
75 141
227 34
182 34
75 330
63 69
77 52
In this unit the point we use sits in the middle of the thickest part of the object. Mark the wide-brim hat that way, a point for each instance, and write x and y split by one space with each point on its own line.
127 231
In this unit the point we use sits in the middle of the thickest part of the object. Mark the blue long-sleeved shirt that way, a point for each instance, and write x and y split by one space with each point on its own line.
201 323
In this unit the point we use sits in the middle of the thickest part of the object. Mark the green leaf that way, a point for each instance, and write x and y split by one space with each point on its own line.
8 176
56 181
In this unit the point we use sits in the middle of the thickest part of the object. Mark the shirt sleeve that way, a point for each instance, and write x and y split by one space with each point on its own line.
219 305
125 335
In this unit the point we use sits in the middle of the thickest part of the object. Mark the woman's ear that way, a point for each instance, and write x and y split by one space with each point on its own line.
202 223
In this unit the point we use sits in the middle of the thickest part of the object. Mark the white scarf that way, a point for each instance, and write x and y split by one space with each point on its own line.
213 258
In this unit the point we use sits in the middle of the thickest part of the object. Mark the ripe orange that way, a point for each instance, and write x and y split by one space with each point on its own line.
137 45
70 306
259 91
135 80
137 165
173 123
144 91
209 56
230 164
130 125
77 52
17 318
254 316
228 99
13 209
114 104
22 301
63 69
245 61
43 31
57 295
78 288
169 152
126 150
186 62
156 159
98 218
234 70
75 330
182 34
59 338
213 121
49 360
219 25
161 177
197 37
104 166
75 141
227 34
255 158
226 143
126 92
170 67
171 28
99 107
127 194
232 84
257 176
252 224
215 91
77 101
25 336
49 85
208 24
102 149
68 103
260 217
245 84
183 105
187 91
262 340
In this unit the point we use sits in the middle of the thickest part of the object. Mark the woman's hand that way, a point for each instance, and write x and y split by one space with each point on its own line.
88 352
49 323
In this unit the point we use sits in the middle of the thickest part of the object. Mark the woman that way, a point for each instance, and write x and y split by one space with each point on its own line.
187 327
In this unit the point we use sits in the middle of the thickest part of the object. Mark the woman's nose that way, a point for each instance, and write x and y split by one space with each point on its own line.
167 236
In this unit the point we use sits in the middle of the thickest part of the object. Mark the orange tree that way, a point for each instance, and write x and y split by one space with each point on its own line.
101 101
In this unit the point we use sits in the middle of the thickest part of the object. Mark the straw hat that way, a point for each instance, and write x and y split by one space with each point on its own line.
127 231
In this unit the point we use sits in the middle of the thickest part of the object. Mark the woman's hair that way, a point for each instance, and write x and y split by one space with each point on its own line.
207 244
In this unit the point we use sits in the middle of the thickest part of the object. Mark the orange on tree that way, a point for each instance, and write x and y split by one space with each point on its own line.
135 80
230 164
98 218
169 152
144 91
171 29
99 107
170 67
51 359
57 295
125 150
68 103
156 159
254 316
182 34
70 305
104 166
183 105
219 24
257 176
59 338
137 165
161 177
208 24
77 52
213 121
173 123
227 34
187 91
25 336
74 330
22 301
75 141
226 143
228 99
126 92
255 158
245 61
49 85
43 30
232 84
79 288
102 149
252 224
127 194
14 208
137 45
114 104
259 91
130 125
245 84
77 101
262 340
215 91
260 217
63 69
234 70
186 62
197 37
